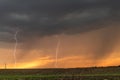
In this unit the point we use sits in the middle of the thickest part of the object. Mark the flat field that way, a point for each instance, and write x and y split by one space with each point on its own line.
93 73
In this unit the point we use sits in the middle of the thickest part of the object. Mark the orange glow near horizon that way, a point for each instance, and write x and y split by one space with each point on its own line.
66 62
79 50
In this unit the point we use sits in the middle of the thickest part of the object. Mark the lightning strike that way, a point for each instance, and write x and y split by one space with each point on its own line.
15 47
57 51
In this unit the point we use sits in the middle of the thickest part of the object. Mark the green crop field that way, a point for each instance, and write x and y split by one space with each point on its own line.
94 73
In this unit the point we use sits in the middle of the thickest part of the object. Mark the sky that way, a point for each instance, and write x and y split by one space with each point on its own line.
59 33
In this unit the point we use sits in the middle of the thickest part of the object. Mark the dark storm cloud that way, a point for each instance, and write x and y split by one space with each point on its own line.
38 18
49 17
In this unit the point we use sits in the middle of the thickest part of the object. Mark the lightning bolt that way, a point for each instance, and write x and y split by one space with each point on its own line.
57 51
15 47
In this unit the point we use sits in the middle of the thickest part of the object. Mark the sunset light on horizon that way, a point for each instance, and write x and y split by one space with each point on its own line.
59 33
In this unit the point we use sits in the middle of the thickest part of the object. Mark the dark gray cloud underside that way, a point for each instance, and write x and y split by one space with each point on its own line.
39 18
49 17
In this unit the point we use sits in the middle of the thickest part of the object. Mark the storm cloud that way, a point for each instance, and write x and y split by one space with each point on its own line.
50 17
87 28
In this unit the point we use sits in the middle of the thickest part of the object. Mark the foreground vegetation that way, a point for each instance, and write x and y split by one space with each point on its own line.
94 73
58 77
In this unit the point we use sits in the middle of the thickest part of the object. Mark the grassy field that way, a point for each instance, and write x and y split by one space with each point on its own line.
94 73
